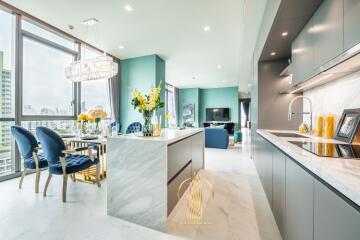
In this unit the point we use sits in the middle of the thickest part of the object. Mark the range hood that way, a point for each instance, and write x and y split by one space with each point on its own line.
344 64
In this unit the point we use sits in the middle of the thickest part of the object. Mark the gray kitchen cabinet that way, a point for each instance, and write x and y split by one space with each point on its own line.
302 55
299 195
334 218
278 204
351 23
327 31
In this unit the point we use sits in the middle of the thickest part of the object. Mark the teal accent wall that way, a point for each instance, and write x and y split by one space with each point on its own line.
220 98
140 73
186 96
210 98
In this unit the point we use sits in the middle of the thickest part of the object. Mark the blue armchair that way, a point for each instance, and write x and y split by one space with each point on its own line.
29 150
216 138
64 162
134 127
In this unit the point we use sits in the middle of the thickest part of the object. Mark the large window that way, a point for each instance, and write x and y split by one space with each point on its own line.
7 100
45 88
171 105
94 94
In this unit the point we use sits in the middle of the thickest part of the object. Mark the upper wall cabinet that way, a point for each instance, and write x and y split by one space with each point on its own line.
351 23
328 31
302 55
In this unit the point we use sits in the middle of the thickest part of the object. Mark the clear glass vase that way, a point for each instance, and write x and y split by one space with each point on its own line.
147 127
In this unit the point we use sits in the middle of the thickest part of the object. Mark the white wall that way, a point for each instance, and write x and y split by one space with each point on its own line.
335 96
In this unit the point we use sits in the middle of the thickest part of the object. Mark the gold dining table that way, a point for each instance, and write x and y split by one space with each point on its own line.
89 175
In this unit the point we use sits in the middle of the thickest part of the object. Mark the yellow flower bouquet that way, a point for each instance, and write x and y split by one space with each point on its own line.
97 115
146 104
84 119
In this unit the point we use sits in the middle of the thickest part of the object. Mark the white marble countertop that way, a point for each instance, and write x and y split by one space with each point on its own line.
167 135
342 174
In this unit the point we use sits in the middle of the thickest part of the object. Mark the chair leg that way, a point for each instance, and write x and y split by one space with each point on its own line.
37 180
22 177
98 175
47 184
65 177
73 177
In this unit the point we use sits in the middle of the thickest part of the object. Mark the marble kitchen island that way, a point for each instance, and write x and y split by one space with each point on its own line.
144 174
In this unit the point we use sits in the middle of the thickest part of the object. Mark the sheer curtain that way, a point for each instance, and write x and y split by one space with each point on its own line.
114 94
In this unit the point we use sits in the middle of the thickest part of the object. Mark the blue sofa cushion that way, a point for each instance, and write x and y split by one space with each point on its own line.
29 163
216 138
75 163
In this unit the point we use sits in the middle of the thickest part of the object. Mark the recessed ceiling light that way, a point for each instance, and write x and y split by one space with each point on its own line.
207 28
284 34
219 66
273 53
224 81
128 8
249 85
121 47
90 22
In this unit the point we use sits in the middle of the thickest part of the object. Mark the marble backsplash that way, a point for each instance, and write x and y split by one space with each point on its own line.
335 96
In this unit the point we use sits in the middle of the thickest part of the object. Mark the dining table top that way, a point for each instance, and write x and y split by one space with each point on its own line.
98 140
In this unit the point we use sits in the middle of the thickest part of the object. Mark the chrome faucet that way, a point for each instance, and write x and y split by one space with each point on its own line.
290 112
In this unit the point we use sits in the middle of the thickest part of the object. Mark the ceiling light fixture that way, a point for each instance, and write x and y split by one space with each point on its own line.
90 22
207 29
121 47
93 68
219 66
273 53
284 34
128 8
224 81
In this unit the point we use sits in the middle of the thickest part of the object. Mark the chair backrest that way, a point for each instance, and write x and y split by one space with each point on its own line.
25 140
134 127
52 144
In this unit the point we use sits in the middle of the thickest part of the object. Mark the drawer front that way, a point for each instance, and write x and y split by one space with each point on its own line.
179 154
173 187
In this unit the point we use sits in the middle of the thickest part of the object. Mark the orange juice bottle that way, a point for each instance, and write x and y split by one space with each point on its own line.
329 125
319 125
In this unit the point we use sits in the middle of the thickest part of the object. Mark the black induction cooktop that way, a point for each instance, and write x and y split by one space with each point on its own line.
330 149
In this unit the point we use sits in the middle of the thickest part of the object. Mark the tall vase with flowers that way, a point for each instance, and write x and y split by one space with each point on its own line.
84 119
147 104
97 115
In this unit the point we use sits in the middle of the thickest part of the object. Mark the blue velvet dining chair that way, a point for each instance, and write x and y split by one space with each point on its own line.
29 150
64 162
134 127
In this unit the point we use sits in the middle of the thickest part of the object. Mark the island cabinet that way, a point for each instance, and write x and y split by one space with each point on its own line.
327 32
278 200
299 202
351 23
334 218
303 55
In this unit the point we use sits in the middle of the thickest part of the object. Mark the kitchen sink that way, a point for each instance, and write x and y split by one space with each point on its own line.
292 135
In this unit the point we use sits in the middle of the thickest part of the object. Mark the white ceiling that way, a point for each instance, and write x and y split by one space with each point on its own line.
172 29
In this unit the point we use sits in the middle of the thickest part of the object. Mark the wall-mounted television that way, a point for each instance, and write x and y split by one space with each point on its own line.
217 114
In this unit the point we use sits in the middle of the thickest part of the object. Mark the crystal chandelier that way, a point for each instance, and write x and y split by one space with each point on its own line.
91 69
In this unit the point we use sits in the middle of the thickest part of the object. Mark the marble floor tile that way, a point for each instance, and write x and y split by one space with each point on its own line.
239 211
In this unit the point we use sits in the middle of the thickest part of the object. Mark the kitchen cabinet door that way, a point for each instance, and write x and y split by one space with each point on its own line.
351 23
302 55
299 203
197 152
334 218
278 206
267 160
327 31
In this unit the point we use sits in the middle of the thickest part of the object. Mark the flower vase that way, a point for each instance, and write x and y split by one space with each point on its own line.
147 127
98 129
84 129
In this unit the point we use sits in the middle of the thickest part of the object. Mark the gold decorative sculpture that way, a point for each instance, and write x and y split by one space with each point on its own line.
194 201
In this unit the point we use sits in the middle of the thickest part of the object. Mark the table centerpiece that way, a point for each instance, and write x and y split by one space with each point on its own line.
84 119
97 115
147 104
